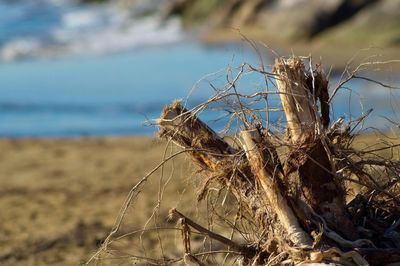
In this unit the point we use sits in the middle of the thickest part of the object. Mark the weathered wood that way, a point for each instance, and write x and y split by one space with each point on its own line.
187 131
214 156
296 99
264 168
301 197
308 169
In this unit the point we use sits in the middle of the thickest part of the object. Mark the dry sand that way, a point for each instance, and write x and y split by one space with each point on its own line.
60 198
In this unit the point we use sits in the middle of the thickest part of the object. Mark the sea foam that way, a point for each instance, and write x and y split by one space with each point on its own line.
49 28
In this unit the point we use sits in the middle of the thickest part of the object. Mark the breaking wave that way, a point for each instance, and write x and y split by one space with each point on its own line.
57 27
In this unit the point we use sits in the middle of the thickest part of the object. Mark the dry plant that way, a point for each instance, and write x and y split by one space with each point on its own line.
299 196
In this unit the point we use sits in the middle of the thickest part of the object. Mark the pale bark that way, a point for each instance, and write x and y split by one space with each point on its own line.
308 168
296 99
259 165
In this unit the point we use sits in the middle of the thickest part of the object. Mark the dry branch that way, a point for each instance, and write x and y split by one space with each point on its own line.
308 168
296 99
291 204
187 131
265 169
216 157
302 195
248 251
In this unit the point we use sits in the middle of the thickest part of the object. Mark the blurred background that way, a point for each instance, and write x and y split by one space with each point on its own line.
82 80
78 68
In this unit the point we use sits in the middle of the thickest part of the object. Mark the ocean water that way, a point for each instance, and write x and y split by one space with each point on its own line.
69 70
109 94
45 28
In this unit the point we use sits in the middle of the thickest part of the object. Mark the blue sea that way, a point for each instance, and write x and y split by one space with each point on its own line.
70 70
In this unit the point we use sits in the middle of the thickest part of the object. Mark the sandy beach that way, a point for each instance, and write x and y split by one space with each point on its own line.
83 83
60 197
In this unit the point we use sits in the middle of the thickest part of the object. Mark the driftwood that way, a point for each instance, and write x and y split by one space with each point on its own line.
309 169
265 170
218 159
303 192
